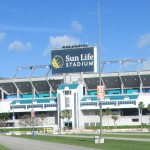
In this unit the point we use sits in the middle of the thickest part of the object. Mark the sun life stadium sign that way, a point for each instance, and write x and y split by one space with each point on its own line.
74 60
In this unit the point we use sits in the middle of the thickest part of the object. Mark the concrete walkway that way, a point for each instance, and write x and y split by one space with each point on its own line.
14 143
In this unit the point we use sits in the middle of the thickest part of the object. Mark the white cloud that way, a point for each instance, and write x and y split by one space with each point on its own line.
19 46
30 29
59 41
2 36
144 41
76 26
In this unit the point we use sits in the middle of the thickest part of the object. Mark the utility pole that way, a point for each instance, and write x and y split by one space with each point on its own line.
100 88
32 112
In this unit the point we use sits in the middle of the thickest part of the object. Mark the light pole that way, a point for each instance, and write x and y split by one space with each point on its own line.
32 114
33 89
13 119
100 88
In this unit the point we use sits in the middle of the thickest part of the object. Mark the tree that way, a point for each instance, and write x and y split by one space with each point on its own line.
42 116
108 113
66 114
26 121
4 117
141 107
115 118
148 107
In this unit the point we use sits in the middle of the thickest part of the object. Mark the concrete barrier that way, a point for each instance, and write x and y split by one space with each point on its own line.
8 133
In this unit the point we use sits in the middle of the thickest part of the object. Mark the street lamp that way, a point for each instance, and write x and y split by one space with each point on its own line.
100 97
13 119
100 89
32 69
32 114
32 109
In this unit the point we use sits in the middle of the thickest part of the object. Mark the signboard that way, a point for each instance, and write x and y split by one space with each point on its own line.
13 118
71 60
100 92
32 113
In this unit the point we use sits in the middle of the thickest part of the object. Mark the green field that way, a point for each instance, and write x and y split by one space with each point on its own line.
122 135
88 141
3 148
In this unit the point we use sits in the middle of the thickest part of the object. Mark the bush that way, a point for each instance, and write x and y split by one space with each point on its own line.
19 129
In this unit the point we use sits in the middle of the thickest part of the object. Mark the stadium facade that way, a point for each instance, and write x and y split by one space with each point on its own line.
73 86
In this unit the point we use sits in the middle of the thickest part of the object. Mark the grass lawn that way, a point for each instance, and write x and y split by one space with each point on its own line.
124 135
3 148
89 142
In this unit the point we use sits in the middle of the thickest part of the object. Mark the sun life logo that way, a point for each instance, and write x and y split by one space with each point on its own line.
58 62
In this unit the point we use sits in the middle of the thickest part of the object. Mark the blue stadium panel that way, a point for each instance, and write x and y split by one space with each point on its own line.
112 97
89 98
122 97
37 95
70 86
30 101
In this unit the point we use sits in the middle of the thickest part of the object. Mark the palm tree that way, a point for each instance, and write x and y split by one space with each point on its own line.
115 118
141 107
108 112
66 114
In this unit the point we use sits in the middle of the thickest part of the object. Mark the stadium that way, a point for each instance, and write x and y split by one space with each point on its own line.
72 86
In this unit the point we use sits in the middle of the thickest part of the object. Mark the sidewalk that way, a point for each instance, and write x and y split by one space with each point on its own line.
14 143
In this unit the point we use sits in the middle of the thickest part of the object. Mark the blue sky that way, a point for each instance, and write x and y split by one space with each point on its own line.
29 29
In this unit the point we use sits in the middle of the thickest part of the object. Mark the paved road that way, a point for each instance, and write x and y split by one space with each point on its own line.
14 143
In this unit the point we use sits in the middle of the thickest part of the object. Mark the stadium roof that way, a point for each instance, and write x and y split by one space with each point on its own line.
116 80
24 85
109 80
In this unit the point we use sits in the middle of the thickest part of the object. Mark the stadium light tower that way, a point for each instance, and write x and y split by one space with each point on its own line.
100 89
32 69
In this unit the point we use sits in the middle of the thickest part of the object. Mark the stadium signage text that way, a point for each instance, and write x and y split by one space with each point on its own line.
83 60
74 60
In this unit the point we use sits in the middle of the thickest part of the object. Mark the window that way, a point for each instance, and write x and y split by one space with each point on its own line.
67 92
86 125
67 102
49 105
86 113
97 123
135 120
18 107
92 123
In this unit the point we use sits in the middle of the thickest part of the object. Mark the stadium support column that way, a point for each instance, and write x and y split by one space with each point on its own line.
2 94
141 83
